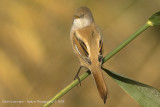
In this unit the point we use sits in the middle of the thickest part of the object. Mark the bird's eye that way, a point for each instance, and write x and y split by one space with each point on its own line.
82 15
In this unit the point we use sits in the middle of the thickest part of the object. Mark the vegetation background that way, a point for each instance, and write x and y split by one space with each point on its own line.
37 60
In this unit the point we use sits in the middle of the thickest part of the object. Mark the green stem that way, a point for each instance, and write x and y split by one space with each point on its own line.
107 57
126 42
66 89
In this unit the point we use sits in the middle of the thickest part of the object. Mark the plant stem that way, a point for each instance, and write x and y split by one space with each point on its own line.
66 89
126 42
107 57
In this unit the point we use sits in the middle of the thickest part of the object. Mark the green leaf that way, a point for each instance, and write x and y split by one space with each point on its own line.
154 20
145 95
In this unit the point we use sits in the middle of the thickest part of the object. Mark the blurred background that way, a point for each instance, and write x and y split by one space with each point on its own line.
37 60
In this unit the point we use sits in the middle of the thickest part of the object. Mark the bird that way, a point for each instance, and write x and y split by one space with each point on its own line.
87 43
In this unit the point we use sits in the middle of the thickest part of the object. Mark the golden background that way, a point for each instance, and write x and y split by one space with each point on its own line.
37 60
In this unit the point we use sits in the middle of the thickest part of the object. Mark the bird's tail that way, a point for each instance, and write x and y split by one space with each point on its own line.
100 83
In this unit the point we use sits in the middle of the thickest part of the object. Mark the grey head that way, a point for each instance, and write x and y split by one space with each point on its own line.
82 18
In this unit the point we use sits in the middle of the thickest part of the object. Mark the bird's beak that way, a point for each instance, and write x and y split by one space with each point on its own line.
76 17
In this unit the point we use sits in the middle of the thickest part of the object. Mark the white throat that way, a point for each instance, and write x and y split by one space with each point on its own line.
80 23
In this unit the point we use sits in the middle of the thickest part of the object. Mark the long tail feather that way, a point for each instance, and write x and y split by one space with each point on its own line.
100 83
